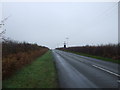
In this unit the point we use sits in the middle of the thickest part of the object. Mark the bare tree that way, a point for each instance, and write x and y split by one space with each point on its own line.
2 32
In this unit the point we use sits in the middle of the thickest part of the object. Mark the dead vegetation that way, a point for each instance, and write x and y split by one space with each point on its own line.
109 51
15 55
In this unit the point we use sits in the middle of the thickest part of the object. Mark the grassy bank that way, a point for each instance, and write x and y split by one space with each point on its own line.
16 55
40 74
97 57
111 51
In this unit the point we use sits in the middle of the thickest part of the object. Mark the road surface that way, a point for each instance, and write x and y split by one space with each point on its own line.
75 71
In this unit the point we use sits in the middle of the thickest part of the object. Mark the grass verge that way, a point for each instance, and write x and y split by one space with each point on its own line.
40 74
97 57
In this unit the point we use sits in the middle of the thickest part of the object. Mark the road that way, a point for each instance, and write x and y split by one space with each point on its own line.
75 71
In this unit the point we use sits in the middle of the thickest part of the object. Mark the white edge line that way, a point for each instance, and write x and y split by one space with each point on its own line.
118 81
106 70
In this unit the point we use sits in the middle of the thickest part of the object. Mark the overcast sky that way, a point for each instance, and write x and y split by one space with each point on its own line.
49 24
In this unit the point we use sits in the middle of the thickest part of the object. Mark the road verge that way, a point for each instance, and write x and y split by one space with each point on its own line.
40 74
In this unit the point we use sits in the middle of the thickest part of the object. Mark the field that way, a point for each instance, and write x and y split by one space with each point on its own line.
110 52
16 55
41 73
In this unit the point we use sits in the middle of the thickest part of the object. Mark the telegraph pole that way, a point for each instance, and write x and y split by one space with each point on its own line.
67 41
119 22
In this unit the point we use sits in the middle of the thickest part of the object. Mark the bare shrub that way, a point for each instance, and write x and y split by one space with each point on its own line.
16 55
110 51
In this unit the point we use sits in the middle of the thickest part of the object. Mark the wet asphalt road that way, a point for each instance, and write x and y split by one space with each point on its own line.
75 71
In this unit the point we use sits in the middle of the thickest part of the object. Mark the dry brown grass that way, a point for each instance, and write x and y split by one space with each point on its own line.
18 57
109 51
16 61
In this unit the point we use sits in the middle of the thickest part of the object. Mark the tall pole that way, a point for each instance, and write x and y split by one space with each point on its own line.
67 40
118 22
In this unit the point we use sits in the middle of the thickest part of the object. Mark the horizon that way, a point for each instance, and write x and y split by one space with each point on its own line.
49 24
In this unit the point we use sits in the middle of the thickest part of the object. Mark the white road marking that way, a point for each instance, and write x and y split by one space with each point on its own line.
106 70
118 81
